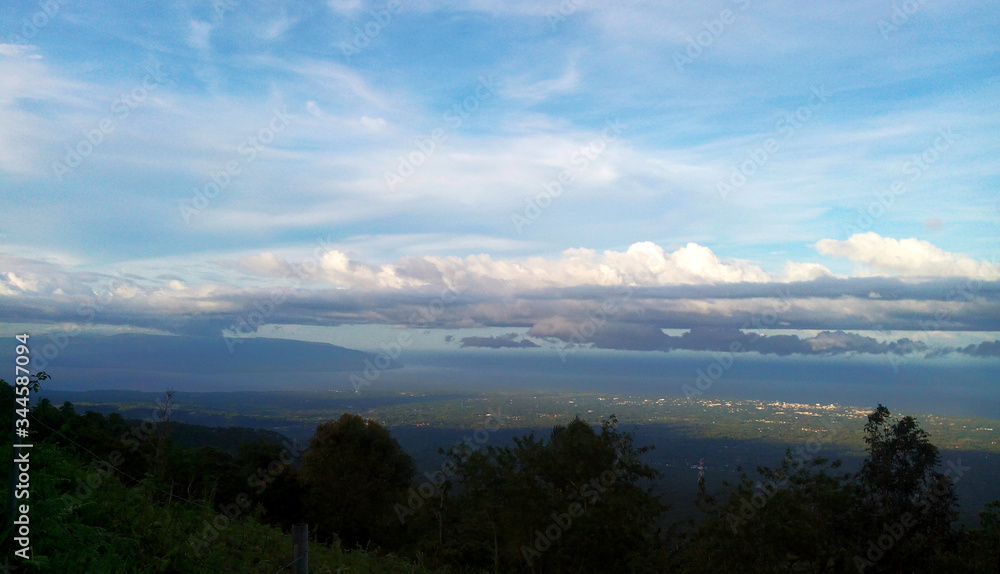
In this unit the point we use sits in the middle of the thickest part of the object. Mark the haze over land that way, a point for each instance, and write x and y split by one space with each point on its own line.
507 195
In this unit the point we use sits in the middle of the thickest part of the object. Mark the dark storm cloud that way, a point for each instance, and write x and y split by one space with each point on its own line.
984 349
621 336
508 341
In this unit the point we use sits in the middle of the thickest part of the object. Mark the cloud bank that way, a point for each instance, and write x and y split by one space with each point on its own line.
508 341
624 297
727 340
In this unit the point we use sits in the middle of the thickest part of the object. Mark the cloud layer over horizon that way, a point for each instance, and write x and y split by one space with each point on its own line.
630 295
199 168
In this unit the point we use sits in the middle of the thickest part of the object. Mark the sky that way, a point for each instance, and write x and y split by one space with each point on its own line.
788 178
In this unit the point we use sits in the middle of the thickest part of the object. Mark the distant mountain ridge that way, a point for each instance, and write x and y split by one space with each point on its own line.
154 362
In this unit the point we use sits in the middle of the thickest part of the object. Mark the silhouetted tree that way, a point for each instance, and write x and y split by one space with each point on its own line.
577 503
791 519
272 481
905 506
354 471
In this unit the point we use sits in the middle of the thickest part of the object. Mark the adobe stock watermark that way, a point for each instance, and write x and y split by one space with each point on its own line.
565 9
784 129
223 7
254 319
246 152
798 457
589 327
391 351
87 311
711 31
900 16
248 323
914 168
942 320
230 513
591 492
132 439
894 360
365 34
426 146
464 449
101 471
553 189
41 18
120 109
263 308
894 532
723 361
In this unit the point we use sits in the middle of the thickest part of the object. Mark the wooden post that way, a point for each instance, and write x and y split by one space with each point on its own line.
300 548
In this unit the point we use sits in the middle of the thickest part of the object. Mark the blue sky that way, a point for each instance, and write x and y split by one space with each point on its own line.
184 161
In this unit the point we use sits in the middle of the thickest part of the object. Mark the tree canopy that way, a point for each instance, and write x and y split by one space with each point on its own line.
119 495
353 472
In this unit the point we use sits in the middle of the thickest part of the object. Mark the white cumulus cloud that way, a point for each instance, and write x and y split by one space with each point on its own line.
644 263
906 257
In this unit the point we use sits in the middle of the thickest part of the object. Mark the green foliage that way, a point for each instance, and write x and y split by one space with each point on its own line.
127 529
894 515
227 439
111 495
539 506
272 480
899 484
353 473
87 516
980 548
790 520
